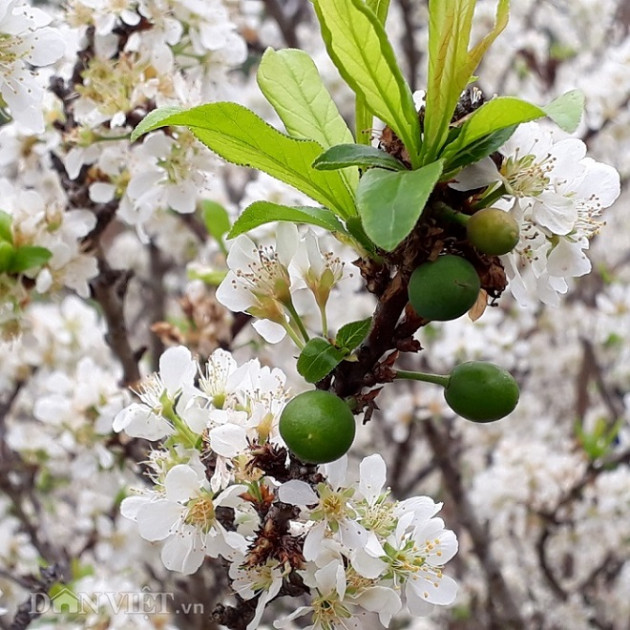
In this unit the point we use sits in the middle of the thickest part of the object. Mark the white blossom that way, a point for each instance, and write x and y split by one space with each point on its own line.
26 40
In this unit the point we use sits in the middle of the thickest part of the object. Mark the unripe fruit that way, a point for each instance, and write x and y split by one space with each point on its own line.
444 289
492 231
317 426
481 392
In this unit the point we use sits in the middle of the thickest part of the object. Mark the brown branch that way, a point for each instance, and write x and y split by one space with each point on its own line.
109 289
412 54
158 266
541 551
503 606
286 23
25 614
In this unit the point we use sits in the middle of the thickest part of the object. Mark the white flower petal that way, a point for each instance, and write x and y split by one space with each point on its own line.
181 483
297 492
157 518
177 368
228 440
179 554
373 474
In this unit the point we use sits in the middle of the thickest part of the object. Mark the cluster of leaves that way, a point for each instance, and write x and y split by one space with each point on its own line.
369 198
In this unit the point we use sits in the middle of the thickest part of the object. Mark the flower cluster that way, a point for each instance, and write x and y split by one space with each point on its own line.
27 41
262 281
556 194
224 485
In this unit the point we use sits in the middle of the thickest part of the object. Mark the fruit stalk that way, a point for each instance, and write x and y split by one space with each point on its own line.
437 379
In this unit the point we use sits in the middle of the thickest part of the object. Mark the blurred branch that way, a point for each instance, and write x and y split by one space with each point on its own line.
286 19
25 614
412 54
501 602
158 266
109 289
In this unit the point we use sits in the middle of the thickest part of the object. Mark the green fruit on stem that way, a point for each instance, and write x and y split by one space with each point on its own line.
444 289
481 392
317 427
492 231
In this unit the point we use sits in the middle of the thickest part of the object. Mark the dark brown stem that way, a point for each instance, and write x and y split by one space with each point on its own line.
109 289
386 316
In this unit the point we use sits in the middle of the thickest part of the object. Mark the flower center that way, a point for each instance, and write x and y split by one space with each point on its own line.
526 177
200 512
267 276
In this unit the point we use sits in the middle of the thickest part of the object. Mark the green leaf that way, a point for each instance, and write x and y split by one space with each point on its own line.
566 110
154 120
238 135
505 113
379 8
7 252
477 150
6 231
357 44
215 218
317 359
451 64
28 257
352 334
261 212
211 277
497 114
356 155
390 203
291 83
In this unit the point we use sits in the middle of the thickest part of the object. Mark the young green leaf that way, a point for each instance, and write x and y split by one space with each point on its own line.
483 130
566 110
6 231
351 335
28 257
317 359
451 64
238 135
492 116
390 203
211 277
261 212
7 251
357 44
360 155
291 83
477 150
216 219
363 118
380 9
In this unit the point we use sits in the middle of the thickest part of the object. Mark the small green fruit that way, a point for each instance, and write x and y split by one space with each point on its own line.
444 289
317 426
481 392
492 231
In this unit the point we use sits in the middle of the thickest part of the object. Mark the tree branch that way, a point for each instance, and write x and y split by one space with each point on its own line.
502 603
